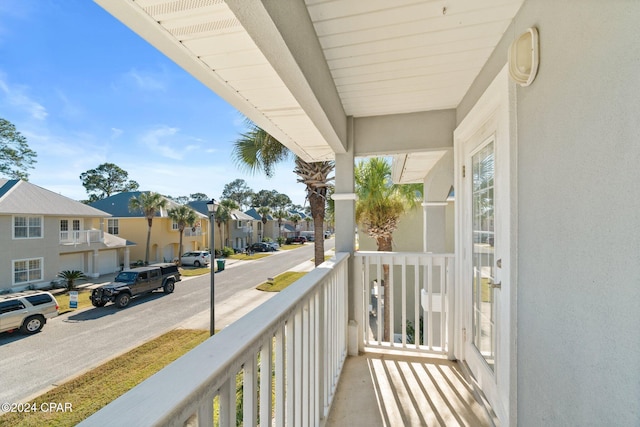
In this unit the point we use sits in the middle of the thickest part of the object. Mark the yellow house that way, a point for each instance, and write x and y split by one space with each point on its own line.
165 236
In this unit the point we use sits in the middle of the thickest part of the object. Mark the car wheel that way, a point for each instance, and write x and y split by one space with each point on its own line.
32 324
98 303
196 263
169 286
123 300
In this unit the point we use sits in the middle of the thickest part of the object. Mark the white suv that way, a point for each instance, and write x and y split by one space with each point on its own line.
196 258
27 311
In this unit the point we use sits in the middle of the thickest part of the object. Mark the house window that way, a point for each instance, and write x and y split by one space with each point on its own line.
27 227
27 270
174 226
112 226
239 225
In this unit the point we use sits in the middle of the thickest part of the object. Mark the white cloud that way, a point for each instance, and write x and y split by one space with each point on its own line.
160 141
115 133
147 81
17 96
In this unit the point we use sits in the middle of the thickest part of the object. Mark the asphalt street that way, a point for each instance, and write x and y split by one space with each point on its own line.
75 342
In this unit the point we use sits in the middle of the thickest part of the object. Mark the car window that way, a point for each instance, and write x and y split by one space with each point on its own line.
39 299
9 306
125 277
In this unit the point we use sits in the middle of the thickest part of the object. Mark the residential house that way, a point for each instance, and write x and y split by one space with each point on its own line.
46 233
240 230
263 230
165 237
528 108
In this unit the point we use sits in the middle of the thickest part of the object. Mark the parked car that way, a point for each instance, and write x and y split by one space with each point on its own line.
260 247
27 311
297 239
274 245
135 281
196 258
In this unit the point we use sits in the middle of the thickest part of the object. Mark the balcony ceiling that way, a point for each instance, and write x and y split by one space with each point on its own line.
298 69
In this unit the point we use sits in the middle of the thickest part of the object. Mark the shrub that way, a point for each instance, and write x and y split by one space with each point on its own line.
281 240
70 276
227 251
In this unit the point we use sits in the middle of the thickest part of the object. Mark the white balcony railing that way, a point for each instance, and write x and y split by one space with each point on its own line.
298 337
420 300
192 232
80 237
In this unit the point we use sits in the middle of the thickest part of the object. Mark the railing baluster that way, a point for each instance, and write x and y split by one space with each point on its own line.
280 377
305 355
417 336
297 367
266 382
249 392
403 314
290 365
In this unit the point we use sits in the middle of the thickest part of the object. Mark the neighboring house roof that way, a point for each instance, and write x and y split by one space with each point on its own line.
112 241
199 206
253 213
118 206
288 227
241 216
22 197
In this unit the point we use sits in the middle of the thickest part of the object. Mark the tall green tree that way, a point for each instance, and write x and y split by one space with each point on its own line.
106 180
148 203
223 215
183 216
200 197
15 155
379 206
257 151
238 191
264 212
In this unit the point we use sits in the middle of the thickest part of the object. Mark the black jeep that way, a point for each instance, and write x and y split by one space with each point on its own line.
136 281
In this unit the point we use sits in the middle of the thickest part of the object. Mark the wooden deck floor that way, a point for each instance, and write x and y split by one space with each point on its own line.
382 389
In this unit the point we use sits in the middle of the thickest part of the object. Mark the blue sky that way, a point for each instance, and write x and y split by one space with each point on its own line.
85 90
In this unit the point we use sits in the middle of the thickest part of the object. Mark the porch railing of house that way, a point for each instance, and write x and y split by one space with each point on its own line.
192 232
420 300
298 337
80 237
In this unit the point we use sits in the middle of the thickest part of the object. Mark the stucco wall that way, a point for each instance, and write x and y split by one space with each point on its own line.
578 204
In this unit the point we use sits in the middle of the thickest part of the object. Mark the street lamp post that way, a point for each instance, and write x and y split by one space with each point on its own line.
211 208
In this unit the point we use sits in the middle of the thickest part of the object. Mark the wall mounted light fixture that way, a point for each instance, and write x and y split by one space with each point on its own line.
523 57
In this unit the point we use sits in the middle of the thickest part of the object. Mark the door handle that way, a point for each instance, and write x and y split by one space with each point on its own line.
495 285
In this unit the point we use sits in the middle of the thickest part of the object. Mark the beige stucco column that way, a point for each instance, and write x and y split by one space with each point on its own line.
94 267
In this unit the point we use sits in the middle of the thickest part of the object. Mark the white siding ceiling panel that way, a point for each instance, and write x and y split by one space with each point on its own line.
386 57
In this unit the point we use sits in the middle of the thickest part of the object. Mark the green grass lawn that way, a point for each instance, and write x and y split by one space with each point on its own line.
245 257
281 281
195 271
63 300
93 390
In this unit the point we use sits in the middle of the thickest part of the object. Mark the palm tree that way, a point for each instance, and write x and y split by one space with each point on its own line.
378 208
256 150
263 211
280 215
149 203
223 215
70 276
183 216
295 219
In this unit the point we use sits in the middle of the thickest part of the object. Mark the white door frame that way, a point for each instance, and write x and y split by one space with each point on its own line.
493 117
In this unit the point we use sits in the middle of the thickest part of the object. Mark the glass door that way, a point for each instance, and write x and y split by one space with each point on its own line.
484 239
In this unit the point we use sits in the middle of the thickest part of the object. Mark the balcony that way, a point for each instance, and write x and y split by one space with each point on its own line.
301 338
81 237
